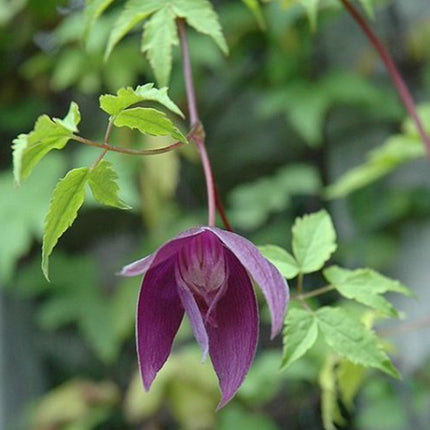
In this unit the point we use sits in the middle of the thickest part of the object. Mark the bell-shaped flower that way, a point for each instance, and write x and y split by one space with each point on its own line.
207 273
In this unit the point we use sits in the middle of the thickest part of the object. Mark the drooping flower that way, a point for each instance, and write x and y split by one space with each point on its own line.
205 272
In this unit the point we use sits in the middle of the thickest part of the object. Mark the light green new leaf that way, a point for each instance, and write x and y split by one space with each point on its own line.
94 8
66 200
311 7
201 15
102 181
368 7
135 11
314 240
350 378
300 334
281 259
365 286
159 35
127 97
352 340
330 410
149 121
29 149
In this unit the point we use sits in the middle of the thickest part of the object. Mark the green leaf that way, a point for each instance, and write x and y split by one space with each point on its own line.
330 410
368 7
201 15
160 34
126 97
66 200
300 334
29 149
149 121
135 11
365 286
311 7
397 150
314 240
281 259
352 340
102 181
254 7
94 8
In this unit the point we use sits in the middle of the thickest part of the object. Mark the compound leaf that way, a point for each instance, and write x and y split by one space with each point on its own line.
66 200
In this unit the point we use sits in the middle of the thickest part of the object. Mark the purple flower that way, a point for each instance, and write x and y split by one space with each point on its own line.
205 272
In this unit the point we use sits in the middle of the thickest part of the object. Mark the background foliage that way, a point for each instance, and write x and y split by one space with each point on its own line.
298 117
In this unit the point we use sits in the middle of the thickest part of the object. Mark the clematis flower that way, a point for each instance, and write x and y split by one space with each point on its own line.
206 273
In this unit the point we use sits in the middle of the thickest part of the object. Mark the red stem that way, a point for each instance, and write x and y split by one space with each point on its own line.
397 79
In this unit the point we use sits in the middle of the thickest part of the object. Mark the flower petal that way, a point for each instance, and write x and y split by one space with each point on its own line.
194 314
159 314
268 278
165 251
233 342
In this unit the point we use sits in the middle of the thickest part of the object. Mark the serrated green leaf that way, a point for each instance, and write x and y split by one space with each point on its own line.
94 8
314 240
127 97
48 134
350 378
159 35
149 121
254 7
350 339
300 334
281 259
102 181
135 11
330 410
201 15
365 286
66 200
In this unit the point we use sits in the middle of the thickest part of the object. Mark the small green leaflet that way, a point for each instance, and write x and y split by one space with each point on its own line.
160 29
350 339
365 286
66 200
29 149
314 240
159 36
281 259
126 97
102 181
350 378
94 8
149 121
300 334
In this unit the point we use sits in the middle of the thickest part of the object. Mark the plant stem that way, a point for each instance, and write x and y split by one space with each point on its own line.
397 79
105 141
315 293
128 151
199 138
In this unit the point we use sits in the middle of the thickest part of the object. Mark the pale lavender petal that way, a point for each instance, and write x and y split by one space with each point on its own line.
268 278
159 314
163 253
194 314
233 342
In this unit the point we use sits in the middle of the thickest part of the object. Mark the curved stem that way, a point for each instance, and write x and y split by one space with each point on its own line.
220 208
397 79
128 151
199 137
105 141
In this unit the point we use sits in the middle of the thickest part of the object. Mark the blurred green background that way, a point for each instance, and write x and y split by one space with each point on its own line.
286 114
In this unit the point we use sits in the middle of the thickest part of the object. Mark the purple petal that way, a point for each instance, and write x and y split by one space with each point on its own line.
268 278
194 314
159 314
233 342
163 253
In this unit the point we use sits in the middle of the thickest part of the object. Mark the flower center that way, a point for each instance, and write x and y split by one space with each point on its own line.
202 264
